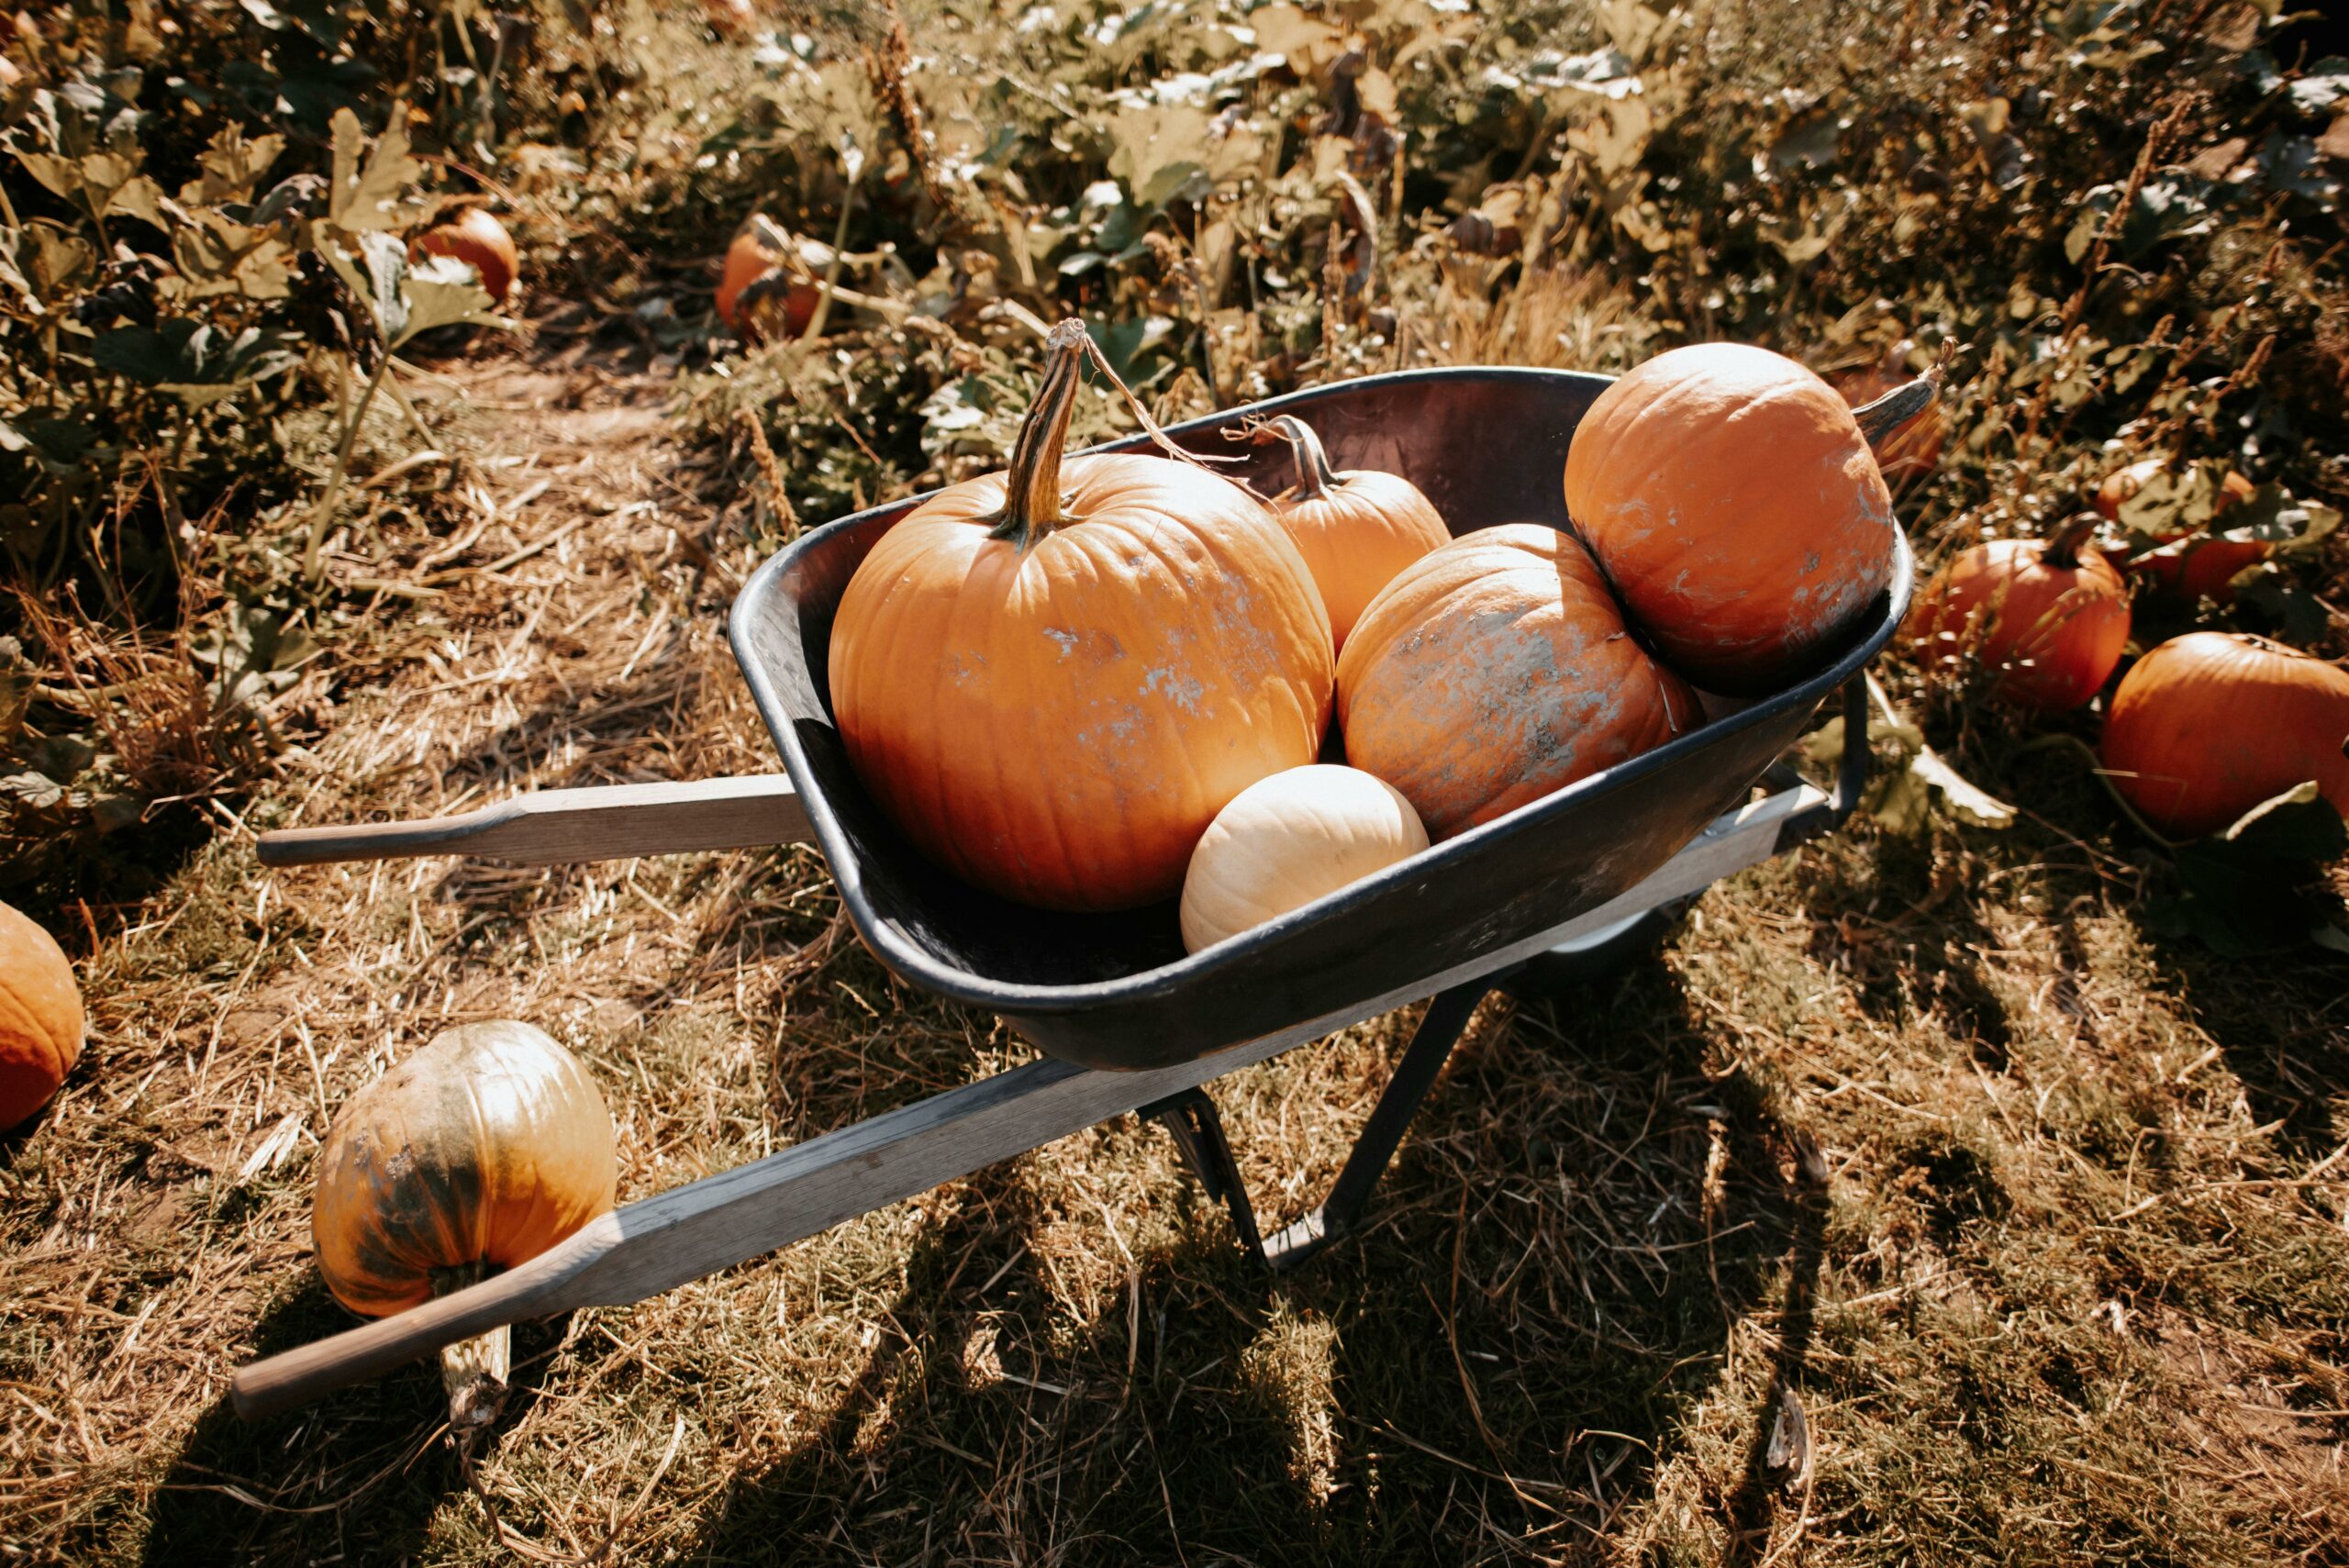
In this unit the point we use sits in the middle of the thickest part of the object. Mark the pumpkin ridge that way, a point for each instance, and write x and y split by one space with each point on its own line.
15 1015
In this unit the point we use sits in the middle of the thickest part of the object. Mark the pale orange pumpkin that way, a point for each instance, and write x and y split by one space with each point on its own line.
2209 725
1355 529
1288 839
41 1018
1497 670
1730 496
1051 679
2052 617
476 238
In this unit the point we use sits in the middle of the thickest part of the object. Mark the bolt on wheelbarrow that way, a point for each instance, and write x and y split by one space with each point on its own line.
1128 1022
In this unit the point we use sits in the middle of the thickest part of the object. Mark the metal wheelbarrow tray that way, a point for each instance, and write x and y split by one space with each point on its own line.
1488 447
1129 1022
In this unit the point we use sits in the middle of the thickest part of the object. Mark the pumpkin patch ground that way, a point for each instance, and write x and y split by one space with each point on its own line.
1935 1191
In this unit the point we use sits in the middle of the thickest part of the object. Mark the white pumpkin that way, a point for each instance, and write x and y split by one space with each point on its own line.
1288 838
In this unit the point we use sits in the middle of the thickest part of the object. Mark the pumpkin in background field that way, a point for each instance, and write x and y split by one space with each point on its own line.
2187 563
1052 679
1285 840
760 292
1731 498
2051 615
2209 725
1355 529
1497 670
476 238
40 1018
479 1151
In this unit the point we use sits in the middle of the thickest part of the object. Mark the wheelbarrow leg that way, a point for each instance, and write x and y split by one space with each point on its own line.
1198 1130
1339 1215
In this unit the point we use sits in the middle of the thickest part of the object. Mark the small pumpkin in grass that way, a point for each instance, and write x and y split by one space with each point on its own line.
1288 840
1910 452
479 1151
731 18
763 291
1355 529
41 1018
1497 670
477 238
1051 679
2051 615
1732 500
2209 725
2187 563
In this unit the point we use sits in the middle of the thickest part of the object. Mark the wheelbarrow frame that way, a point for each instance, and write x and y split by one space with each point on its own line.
698 1228
658 1243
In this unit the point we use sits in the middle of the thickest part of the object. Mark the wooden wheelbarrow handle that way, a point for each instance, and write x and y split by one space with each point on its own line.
563 826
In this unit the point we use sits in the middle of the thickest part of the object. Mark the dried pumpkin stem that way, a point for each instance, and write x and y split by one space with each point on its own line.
2062 552
1315 479
1032 499
1889 415
473 1371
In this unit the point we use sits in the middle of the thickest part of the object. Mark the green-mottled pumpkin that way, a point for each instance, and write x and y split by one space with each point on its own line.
479 1151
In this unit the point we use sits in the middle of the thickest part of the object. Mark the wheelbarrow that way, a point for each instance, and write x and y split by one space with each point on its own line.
1127 1021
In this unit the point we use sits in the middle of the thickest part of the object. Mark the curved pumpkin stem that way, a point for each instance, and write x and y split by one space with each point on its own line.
474 1372
1032 498
2062 552
1886 417
1315 479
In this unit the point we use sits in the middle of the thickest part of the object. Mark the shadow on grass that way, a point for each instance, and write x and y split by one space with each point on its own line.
359 1476
1415 1388
1766 1472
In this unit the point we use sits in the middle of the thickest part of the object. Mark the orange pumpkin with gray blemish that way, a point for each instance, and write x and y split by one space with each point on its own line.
478 1152
1497 670
1051 679
1731 498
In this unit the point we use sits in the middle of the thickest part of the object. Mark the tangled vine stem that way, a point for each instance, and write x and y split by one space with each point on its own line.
1889 415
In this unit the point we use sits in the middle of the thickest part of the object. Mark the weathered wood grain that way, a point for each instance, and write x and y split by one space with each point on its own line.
561 827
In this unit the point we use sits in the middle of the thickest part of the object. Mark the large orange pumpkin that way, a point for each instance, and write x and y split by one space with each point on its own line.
477 237
1355 529
1494 670
2052 617
1730 496
41 1018
2188 561
1052 679
2209 725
